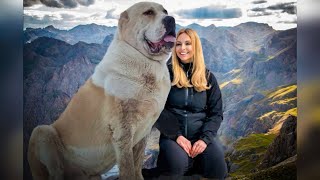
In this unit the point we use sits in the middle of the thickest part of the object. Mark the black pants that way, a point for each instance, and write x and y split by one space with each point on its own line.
173 160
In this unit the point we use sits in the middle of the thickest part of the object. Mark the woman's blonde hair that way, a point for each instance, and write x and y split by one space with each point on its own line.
198 79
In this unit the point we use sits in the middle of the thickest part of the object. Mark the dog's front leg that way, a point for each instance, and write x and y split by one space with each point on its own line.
123 145
138 154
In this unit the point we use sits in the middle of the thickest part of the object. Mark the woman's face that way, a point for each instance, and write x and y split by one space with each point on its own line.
184 48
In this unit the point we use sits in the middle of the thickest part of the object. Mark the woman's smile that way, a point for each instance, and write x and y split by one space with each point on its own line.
184 48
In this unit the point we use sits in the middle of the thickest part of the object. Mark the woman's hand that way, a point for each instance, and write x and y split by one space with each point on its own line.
197 148
185 144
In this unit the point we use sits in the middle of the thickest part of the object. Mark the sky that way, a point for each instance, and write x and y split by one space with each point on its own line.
66 14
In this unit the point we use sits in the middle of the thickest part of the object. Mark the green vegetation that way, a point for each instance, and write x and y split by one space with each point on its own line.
282 92
293 112
250 151
235 81
234 72
223 84
259 56
284 172
254 142
266 115
268 92
285 101
280 52
278 114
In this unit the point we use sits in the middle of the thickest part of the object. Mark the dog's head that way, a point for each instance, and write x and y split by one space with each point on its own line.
147 27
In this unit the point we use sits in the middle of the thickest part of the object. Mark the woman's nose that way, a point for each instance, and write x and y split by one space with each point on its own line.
183 46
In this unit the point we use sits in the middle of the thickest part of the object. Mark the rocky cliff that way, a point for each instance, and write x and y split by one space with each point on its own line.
266 156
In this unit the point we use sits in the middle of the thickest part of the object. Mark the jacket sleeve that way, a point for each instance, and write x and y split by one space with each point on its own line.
214 111
168 124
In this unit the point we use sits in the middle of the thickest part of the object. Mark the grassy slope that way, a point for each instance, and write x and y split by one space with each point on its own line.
255 145
250 151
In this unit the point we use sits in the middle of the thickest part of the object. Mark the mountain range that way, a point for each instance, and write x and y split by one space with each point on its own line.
91 33
255 66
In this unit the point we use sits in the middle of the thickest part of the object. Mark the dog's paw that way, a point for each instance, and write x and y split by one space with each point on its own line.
115 177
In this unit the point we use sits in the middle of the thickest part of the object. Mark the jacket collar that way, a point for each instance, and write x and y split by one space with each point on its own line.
187 67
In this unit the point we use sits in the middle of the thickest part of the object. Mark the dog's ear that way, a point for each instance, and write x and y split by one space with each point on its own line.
124 18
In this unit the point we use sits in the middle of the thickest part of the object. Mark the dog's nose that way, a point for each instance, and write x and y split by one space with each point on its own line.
170 25
168 20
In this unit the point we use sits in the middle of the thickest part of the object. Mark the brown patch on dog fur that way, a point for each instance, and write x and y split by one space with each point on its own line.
129 105
132 112
129 108
129 112
150 81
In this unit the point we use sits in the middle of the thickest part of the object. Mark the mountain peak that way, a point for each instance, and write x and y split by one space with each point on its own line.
194 25
87 25
49 40
254 24
212 26
50 27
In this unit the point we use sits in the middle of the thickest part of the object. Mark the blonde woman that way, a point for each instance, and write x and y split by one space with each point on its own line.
192 115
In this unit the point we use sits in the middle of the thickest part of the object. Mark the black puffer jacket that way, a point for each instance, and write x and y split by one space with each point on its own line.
195 115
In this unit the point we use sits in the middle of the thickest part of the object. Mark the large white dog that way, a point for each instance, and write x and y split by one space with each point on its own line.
107 120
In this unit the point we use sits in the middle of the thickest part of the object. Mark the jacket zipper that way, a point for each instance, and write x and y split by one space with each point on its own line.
186 114
186 104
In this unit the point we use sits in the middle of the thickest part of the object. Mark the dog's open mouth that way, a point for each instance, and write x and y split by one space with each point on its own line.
166 41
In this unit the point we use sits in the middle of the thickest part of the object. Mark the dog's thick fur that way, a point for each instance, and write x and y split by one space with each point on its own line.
108 118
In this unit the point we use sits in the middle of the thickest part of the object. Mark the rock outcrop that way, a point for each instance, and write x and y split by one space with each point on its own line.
284 145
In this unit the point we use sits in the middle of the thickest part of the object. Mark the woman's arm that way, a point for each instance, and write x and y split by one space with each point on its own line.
214 111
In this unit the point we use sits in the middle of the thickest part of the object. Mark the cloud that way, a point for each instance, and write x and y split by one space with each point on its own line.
67 17
110 14
259 2
256 14
28 3
85 2
41 22
210 12
289 8
58 3
288 22
68 3
47 19
258 9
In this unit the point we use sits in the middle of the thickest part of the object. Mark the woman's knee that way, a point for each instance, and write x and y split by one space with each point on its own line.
179 169
213 162
214 152
217 170
172 160
173 166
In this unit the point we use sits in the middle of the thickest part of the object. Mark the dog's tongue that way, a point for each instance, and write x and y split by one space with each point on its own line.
167 41
169 38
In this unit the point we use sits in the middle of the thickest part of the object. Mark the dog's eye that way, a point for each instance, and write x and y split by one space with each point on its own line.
165 11
149 13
